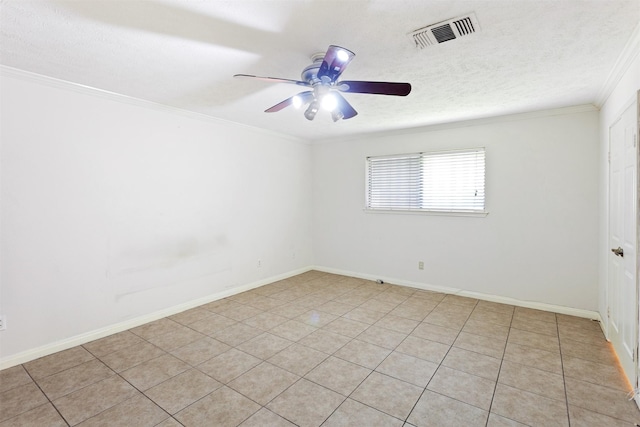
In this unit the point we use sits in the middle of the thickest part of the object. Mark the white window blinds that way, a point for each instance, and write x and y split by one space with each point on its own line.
451 181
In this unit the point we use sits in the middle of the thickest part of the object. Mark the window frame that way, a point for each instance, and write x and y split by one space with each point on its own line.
420 211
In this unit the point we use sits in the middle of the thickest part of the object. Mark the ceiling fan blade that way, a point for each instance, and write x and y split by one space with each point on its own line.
335 61
273 79
344 107
305 97
376 88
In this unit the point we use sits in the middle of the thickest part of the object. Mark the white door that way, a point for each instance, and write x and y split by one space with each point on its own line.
622 292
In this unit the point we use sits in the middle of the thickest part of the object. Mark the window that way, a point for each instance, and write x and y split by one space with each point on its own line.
448 181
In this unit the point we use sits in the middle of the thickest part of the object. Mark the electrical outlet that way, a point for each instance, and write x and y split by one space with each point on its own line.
259 263
3 323
421 265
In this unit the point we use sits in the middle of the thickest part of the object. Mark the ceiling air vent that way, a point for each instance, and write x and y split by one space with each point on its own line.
444 31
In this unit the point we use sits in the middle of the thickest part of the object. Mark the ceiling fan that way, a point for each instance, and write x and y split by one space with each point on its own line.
322 78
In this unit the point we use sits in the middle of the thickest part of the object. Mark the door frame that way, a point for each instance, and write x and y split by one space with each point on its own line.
636 378
637 144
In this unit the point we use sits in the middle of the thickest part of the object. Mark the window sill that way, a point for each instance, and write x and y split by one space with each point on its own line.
434 213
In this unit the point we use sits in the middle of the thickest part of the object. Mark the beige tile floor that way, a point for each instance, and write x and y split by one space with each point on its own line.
321 349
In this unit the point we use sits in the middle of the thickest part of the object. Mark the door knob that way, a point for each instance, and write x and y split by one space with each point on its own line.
619 251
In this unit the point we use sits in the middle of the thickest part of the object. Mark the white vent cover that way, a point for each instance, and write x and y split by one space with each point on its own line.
444 31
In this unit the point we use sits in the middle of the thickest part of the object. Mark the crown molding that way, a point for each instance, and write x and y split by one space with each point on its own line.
575 109
16 73
6 71
629 53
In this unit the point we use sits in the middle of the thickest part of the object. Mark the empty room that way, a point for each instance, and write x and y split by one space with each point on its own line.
319 213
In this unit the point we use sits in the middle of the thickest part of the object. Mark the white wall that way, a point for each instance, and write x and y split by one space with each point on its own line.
538 243
114 210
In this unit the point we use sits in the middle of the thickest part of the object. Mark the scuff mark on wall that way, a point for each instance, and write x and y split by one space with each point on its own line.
161 262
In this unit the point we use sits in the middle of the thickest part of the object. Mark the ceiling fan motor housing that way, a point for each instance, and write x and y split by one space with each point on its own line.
310 73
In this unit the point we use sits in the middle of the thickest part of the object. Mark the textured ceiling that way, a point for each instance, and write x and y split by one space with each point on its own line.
529 55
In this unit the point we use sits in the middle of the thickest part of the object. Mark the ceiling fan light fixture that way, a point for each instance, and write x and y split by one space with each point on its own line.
342 55
322 79
329 102
311 112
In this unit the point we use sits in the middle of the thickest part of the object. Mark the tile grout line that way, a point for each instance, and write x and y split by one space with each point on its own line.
582 380
45 395
283 391
381 362
504 350
142 392
440 363
564 379
56 373
125 380
145 340
369 374
372 370
452 345
81 388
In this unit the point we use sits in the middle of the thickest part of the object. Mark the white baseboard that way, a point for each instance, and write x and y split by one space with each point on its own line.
45 350
594 315
604 327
